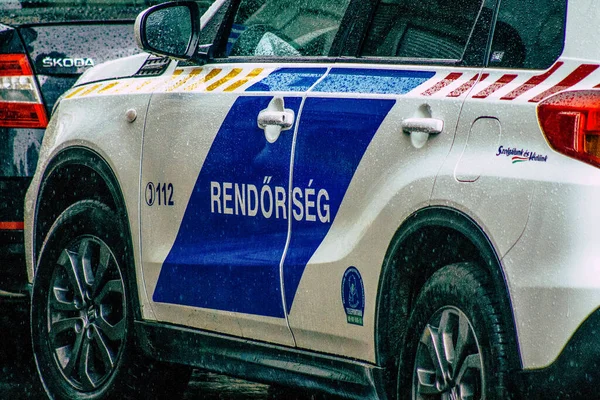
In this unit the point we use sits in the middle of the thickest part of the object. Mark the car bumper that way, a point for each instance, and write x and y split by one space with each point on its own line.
574 374
13 274
19 150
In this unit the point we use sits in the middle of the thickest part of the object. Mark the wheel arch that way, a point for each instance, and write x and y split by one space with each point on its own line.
75 174
428 240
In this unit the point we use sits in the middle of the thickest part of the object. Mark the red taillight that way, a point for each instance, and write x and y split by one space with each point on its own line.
20 101
571 123
11 226
14 65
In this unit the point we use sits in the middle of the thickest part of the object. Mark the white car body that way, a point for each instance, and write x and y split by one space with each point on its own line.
168 139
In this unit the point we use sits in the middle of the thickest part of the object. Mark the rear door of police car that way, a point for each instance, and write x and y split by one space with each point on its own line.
501 159
373 134
218 145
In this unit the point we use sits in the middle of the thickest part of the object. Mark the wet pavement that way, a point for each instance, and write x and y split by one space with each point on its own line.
19 381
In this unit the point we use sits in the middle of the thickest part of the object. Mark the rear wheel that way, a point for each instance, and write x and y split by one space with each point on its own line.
82 313
456 345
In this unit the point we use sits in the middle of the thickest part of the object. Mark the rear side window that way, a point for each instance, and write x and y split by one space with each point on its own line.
433 29
284 28
528 34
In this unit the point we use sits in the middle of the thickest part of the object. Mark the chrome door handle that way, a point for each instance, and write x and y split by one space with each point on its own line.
431 126
275 118
284 119
420 129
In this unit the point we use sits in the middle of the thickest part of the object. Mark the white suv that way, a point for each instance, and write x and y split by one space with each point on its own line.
377 199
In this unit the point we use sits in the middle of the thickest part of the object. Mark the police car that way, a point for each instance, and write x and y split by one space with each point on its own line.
375 199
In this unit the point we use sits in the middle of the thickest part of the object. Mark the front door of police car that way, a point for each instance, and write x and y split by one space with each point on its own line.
216 178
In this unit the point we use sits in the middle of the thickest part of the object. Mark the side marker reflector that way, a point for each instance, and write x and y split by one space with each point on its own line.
11 226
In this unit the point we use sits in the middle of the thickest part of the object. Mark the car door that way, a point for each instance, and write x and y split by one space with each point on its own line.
217 152
373 135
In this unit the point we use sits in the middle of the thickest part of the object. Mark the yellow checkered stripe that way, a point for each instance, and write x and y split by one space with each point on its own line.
183 80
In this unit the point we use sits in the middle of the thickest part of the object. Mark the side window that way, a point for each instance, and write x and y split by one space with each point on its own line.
432 29
281 28
526 39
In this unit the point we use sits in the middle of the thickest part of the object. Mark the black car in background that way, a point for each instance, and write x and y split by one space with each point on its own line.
44 46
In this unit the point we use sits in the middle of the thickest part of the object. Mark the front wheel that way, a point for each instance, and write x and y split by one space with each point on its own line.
82 311
456 345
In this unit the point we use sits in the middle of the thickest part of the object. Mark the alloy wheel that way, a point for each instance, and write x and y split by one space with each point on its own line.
87 313
448 364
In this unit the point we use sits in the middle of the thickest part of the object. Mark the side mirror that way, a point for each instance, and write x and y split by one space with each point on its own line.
169 29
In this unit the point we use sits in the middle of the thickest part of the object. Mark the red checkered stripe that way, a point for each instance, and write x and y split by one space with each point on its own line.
517 85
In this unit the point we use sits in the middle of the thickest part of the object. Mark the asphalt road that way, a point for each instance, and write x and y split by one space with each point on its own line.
19 381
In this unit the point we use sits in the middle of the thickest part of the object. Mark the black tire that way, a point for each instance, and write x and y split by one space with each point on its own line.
82 314
456 309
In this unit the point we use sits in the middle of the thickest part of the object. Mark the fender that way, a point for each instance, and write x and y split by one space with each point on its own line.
74 174
439 236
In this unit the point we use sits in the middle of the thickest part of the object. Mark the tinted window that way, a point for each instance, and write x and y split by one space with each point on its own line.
433 29
524 38
286 28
